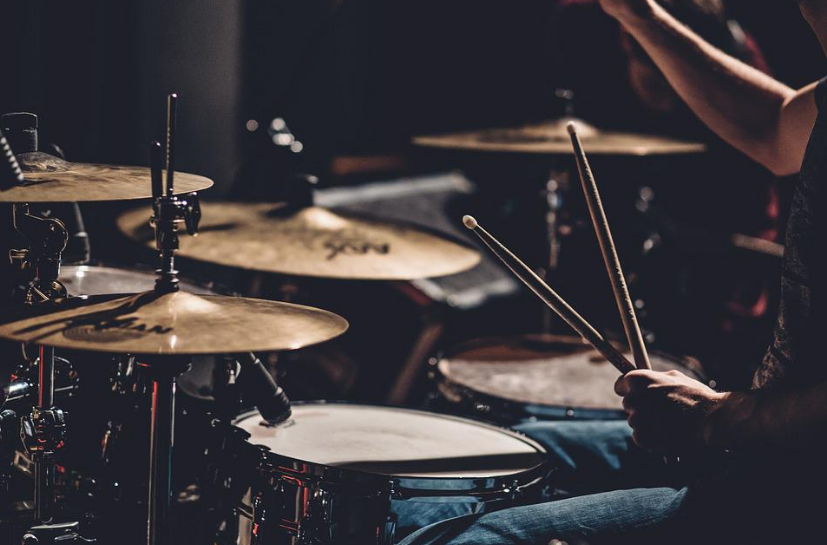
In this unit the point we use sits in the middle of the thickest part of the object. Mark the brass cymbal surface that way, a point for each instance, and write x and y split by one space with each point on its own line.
51 179
178 323
311 242
551 138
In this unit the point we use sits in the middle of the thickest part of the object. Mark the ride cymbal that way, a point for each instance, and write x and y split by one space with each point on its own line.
312 242
551 138
178 323
51 179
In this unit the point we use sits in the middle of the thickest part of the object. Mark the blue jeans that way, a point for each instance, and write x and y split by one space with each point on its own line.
622 495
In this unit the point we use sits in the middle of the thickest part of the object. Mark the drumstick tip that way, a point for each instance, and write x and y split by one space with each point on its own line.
470 222
571 127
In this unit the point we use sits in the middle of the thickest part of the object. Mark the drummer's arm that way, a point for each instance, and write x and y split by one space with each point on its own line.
764 418
757 114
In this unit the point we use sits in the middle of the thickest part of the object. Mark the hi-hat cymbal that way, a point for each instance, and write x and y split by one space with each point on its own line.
314 242
50 179
177 323
551 138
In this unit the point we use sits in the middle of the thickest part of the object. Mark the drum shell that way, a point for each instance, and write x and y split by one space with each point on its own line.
454 397
293 502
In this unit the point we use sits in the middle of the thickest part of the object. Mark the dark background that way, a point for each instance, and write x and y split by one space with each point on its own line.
350 76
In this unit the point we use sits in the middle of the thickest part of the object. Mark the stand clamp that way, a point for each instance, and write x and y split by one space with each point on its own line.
55 534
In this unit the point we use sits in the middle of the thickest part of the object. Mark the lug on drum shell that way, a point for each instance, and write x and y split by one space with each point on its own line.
511 379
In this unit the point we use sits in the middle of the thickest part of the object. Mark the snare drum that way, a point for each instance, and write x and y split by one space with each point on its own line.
106 279
509 380
364 475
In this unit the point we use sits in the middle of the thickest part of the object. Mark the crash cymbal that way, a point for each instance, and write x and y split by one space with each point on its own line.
551 138
177 323
313 241
50 179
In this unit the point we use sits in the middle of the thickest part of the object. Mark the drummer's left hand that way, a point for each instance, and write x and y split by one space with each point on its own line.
667 411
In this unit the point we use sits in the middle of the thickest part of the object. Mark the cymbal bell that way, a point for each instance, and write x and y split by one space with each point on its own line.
551 138
178 323
51 179
311 242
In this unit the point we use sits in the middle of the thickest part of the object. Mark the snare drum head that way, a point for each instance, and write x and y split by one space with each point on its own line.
544 370
395 442
104 280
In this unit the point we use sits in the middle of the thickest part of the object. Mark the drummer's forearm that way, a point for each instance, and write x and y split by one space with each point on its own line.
743 105
751 420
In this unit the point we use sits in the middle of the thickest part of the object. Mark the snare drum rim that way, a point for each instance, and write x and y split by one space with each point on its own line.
509 412
401 487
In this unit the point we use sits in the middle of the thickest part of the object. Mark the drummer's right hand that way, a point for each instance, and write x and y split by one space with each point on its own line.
668 412
626 10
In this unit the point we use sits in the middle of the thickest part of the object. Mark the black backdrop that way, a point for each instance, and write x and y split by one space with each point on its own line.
349 75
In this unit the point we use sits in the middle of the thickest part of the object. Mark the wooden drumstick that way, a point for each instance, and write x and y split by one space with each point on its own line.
551 298
610 258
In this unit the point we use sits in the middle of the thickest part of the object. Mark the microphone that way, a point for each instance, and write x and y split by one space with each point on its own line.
10 173
258 387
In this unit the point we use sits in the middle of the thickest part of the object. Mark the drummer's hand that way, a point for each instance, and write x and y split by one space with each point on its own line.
668 412
623 10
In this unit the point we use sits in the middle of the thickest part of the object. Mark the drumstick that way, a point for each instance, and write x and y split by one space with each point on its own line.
610 258
550 298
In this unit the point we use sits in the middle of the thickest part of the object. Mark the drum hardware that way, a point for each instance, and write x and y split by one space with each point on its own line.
162 374
23 386
169 212
9 437
43 430
10 173
55 534
359 488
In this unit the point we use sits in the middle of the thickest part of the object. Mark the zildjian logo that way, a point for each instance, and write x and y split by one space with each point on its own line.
354 248
114 330
130 324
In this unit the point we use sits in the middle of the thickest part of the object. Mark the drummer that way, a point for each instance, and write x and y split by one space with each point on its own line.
722 302
752 462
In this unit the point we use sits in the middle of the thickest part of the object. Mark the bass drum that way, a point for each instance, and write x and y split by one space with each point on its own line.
509 380
349 474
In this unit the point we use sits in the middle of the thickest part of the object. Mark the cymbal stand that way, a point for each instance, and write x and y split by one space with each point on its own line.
44 429
169 212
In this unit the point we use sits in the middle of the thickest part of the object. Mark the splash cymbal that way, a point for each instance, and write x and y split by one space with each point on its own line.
51 179
177 323
312 242
551 138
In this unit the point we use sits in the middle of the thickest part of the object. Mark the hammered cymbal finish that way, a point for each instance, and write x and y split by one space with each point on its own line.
551 138
178 323
311 242
50 179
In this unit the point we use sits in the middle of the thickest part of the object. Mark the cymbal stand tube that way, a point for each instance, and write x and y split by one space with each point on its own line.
43 430
162 430
169 211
